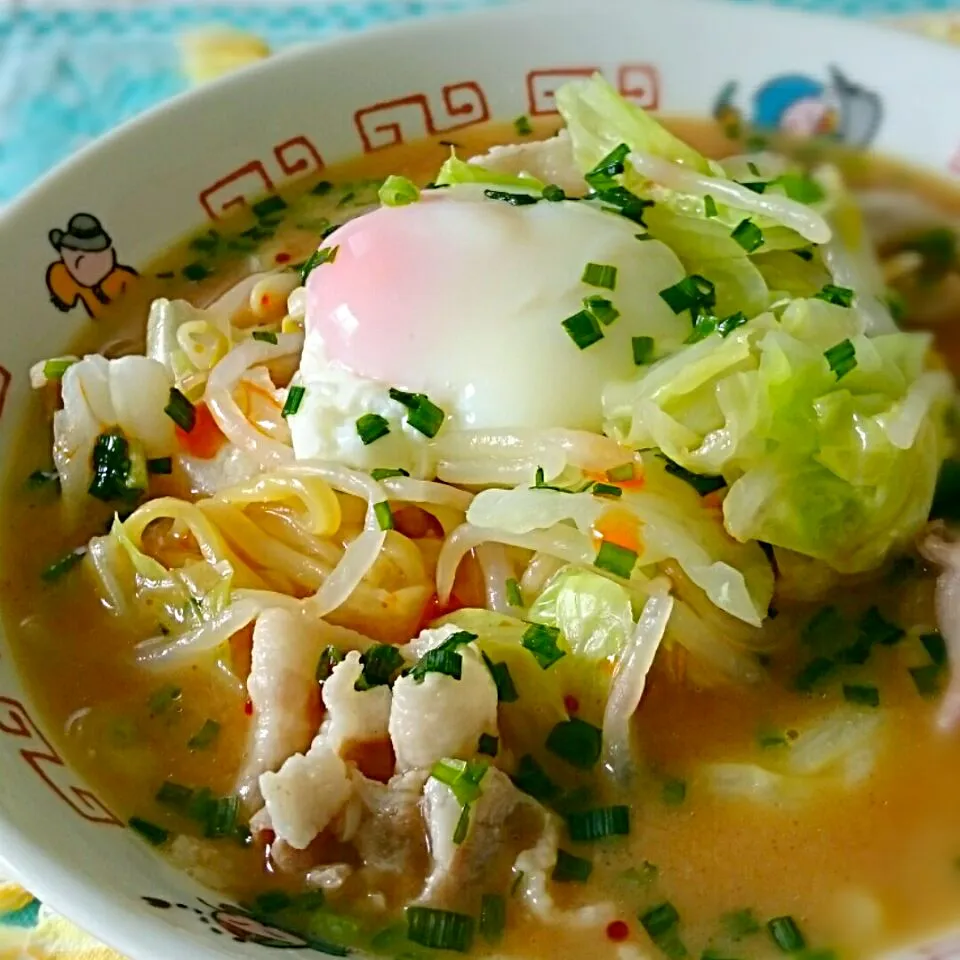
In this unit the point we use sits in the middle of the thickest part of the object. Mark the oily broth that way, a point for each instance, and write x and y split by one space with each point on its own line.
859 870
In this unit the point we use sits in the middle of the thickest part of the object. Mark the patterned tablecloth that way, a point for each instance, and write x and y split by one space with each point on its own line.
71 69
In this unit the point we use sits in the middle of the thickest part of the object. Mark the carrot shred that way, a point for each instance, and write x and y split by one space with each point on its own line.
621 528
205 439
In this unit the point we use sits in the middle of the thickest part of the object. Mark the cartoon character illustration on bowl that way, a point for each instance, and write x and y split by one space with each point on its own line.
803 106
87 271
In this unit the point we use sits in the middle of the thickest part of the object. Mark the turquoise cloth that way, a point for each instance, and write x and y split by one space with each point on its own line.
68 75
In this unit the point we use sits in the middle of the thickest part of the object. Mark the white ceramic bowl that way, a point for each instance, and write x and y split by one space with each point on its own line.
201 155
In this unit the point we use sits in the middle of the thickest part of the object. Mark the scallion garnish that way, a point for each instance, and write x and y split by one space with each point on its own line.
740 923
936 648
175 795
371 427
463 826
602 309
463 777
55 368
329 659
157 836
386 473
503 681
798 187
840 296
180 410
440 929
43 478
878 629
756 186
753 168
693 293
196 271
316 259
727 325
603 176
661 924
514 596
64 565
553 193
583 328
805 255
710 207
265 336
448 663
119 468
748 235
786 934
398 192
615 559
542 642
577 742
294 399
623 473
160 466
703 484
267 206
522 126
625 203
815 671
861 694
571 869
493 917
532 779
422 413
926 680
842 358
674 792
599 823
606 490
602 275
381 663
514 199
642 350
489 745
205 736
222 817
384 515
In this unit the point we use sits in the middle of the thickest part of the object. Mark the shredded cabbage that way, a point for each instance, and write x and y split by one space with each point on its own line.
456 171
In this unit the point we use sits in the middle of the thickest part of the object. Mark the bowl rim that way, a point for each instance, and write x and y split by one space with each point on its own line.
62 888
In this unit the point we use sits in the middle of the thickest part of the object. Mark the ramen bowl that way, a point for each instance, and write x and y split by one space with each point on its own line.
191 163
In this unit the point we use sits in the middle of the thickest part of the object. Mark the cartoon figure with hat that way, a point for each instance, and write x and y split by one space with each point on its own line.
87 271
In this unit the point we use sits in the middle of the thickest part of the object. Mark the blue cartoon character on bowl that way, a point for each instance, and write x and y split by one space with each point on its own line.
803 106
87 272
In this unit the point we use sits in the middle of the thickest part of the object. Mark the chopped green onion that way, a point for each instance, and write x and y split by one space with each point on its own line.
571 869
43 478
294 399
329 659
748 235
602 176
160 466
926 680
206 242
877 629
623 473
322 188
119 468
704 485
602 309
522 126
710 207
661 924
423 414
371 427
553 193
149 831
786 934
642 350
514 199
693 293
946 497
615 559
861 694
936 648
205 736
446 662
64 565
56 367
805 255
265 336
514 596
532 779
398 192
463 826
842 358
222 819
489 745
606 490
583 329
163 699
500 672
493 917
815 671
674 792
740 923
840 296
386 473
625 203
267 206
756 186
600 275
753 168
439 929
316 259
801 188
196 271
541 641
463 777
180 410
381 663
823 632
577 742
175 795
727 325
599 823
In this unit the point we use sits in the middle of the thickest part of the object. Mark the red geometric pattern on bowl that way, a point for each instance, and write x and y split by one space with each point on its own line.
37 751
294 157
640 82
5 377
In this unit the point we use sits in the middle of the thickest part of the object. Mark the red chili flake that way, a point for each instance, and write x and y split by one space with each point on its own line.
265 300
618 931
571 704
248 708
282 258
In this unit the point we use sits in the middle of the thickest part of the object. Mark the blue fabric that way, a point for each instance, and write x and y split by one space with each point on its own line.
68 75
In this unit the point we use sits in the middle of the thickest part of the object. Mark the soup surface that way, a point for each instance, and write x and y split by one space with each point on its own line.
820 795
